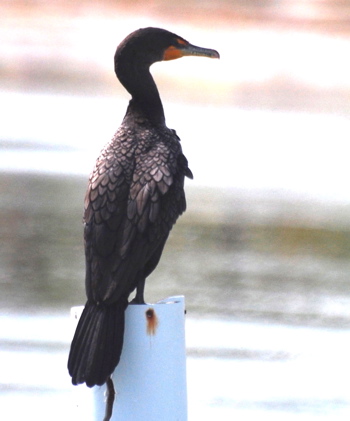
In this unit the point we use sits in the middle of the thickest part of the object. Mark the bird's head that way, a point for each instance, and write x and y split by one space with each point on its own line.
149 45
137 53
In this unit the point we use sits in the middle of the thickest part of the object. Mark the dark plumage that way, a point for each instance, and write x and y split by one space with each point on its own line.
134 197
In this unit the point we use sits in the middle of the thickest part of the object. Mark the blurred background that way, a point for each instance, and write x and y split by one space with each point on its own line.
262 254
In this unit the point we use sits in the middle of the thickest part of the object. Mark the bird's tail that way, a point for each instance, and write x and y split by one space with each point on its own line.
97 343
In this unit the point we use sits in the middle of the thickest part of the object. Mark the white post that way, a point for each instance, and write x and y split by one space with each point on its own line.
150 379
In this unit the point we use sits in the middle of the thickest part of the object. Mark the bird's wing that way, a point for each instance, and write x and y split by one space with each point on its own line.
105 210
156 197
106 197
128 221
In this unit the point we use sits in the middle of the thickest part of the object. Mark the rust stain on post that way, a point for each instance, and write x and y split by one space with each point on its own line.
152 321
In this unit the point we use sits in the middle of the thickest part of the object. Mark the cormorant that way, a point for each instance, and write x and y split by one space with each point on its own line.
134 197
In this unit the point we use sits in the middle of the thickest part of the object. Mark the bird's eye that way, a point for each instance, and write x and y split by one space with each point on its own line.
180 42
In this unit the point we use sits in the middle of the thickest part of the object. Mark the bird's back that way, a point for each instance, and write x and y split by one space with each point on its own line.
134 197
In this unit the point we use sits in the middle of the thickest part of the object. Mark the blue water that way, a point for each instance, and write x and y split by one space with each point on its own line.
278 351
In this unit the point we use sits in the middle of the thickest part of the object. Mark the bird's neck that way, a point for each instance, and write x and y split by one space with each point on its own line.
145 96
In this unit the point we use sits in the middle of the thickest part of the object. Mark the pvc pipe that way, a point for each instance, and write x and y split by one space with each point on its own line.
150 379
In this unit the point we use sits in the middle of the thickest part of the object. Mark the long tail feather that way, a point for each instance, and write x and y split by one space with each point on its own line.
97 343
